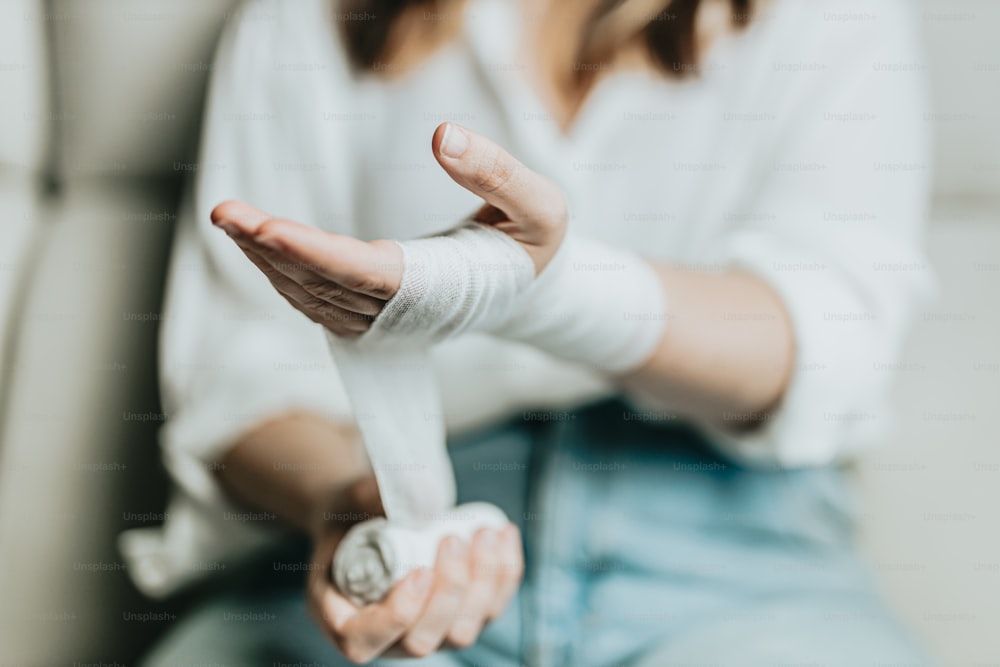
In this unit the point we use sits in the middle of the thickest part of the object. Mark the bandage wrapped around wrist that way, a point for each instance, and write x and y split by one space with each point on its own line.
592 304
377 554
469 279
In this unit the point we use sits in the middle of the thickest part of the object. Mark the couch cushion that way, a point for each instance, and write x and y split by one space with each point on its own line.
23 85
130 76
23 120
80 457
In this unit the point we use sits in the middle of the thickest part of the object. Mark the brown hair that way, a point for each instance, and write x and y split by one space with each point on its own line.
378 31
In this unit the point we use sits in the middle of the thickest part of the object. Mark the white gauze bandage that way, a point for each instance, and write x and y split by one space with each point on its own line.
592 304
389 378
377 554
467 279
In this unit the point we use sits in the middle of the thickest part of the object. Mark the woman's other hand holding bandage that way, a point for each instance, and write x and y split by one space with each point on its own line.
446 606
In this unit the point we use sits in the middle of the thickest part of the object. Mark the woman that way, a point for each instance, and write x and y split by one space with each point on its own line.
766 164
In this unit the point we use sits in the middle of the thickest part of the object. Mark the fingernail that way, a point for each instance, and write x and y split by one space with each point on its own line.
455 141
421 582
229 229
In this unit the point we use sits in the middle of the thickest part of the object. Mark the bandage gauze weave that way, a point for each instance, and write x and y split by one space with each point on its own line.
592 304
377 554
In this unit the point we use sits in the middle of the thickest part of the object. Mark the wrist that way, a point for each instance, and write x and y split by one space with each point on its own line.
596 304
342 506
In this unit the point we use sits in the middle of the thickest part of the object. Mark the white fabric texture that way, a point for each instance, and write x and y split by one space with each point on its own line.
798 154
594 304
591 303
397 410
376 554
467 279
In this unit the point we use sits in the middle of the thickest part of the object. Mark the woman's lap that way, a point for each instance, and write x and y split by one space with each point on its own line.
641 548
274 628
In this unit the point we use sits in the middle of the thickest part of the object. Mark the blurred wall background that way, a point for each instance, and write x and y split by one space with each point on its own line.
98 128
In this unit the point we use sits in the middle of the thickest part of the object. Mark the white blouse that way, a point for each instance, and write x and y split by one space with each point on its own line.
801 153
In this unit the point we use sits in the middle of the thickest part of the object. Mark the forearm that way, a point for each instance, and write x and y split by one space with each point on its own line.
727 349
296 467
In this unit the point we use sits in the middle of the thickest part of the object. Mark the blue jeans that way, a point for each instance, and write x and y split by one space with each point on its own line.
643 549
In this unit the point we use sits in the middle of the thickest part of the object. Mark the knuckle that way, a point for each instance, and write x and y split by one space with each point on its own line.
399 616
418 645
484 566
463 636
454 585
369 284
323 289
267 226
369 308
314 303
494 171
355 652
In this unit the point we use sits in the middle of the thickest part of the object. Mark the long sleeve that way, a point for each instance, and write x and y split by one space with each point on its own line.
835 226
233 354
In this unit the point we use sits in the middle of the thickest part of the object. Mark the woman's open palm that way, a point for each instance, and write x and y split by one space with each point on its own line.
343 283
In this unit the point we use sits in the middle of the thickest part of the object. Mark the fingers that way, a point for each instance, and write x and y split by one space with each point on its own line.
340 321
509 571
303 283
482 167
305 253
469 586
364 634
304 264
473 585
451 577
486 560
242 216
374 269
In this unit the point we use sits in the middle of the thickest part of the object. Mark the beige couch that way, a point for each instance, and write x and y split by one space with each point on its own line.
100 106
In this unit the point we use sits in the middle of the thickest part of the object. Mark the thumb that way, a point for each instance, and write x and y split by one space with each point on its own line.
483 168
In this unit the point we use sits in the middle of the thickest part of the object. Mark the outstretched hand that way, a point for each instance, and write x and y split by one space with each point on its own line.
343 283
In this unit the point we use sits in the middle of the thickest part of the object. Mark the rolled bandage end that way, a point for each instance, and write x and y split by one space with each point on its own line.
376 554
